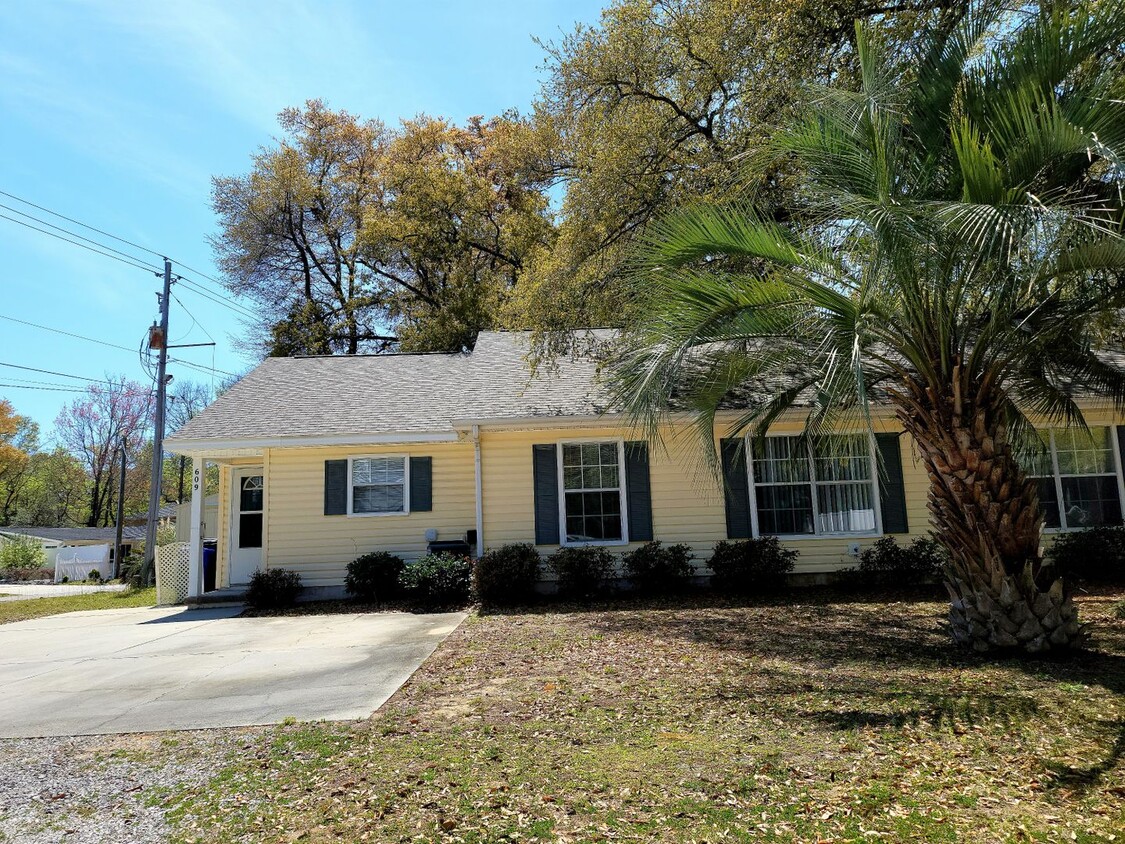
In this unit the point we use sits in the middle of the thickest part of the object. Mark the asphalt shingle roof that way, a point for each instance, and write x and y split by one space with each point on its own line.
75 534
359 395
384 394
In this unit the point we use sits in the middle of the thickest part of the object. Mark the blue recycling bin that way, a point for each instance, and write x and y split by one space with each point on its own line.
208 566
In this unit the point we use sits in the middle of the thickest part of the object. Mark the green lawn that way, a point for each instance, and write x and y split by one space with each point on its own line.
38 607
818 720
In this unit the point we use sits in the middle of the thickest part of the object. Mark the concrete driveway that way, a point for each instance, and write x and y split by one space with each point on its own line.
138 670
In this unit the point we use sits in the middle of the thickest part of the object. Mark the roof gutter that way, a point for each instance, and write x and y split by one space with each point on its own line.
207 445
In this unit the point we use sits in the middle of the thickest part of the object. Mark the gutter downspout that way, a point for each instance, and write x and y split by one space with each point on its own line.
479 485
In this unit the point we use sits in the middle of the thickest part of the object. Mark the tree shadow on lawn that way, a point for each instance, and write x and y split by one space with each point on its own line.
895 660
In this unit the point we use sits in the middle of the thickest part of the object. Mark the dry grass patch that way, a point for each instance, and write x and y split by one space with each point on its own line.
816 720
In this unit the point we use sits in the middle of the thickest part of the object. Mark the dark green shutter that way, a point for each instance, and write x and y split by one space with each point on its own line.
638 492
736 488
892 491
421 484
1121 453
335 487
545 471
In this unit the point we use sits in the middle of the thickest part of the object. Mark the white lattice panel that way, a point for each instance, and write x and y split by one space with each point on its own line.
172 562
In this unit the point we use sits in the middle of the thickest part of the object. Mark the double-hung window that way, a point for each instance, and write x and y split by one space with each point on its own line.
1078 478
826 487
592 492
377 486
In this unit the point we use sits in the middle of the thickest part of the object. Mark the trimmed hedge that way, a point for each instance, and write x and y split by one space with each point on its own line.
751 566
886 563
506 576
582 571
437 580
656 569
1094 555
273 589
374 577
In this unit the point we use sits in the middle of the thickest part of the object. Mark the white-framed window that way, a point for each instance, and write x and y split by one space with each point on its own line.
378 486
592 492
1079 475
823 488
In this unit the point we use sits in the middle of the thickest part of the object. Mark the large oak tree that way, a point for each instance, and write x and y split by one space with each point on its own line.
349 236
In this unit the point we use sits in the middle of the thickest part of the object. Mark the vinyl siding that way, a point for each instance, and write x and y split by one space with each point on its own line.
300 537
687 501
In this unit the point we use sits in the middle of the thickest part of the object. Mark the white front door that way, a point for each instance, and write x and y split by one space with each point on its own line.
247 522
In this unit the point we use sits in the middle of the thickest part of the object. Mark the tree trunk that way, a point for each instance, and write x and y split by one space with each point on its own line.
986 514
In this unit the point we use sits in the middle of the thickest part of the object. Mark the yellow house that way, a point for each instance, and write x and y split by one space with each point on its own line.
325 458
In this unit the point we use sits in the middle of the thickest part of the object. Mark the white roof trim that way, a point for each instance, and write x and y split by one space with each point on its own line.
253 445
501 423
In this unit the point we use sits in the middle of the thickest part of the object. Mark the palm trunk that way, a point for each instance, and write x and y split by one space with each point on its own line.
986 514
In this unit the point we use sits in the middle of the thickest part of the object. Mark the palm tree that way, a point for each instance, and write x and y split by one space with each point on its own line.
958 244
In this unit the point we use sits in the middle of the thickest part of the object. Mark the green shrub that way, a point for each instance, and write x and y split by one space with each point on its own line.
374 577
273 589
507 576
165 535
1119 610
886 563
751 566
94 576
437 580
582 571
21 552
1096 555
132 570
656 569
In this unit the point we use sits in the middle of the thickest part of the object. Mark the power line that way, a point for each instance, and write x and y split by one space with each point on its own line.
66 333
50 389
59 374
200 367
194 321
218 300
219 293
68 232
80 223
38 382
76 243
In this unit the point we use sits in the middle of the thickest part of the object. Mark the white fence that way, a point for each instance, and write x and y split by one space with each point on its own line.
172 576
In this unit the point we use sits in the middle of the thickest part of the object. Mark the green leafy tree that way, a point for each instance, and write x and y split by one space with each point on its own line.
962 234
658 105
362 236
54 493
19 439
21 552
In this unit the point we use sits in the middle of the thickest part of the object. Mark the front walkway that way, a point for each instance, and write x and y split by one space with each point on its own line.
139 670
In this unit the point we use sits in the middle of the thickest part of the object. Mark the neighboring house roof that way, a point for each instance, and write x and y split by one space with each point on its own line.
168 511
394 394
77 534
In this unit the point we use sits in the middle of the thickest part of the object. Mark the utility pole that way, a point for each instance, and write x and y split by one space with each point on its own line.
120 512
158 429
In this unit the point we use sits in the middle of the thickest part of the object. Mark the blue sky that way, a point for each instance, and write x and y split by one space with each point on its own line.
117 113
